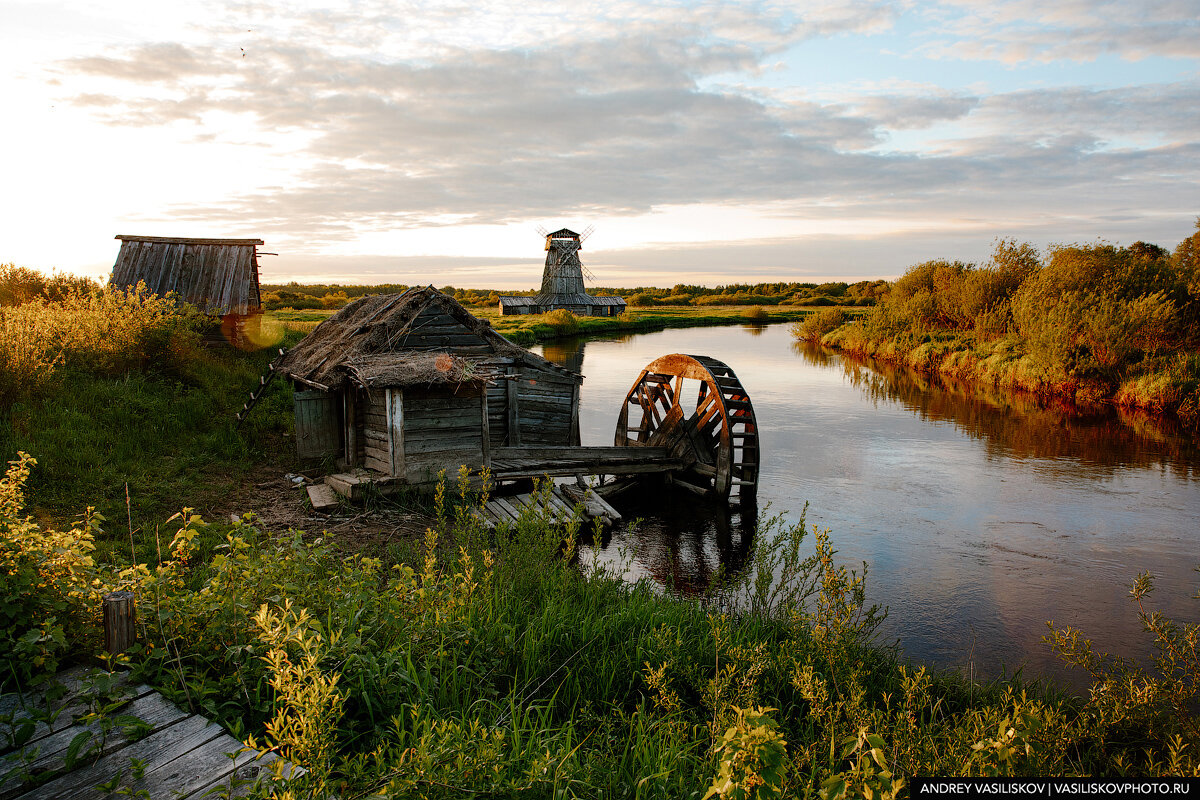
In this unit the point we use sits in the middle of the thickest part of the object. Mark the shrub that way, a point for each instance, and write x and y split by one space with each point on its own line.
641 300
819 323
20 285
109 331
756 314
49 586
562 321
1094 309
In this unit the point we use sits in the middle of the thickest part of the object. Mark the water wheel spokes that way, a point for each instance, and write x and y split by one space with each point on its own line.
717 439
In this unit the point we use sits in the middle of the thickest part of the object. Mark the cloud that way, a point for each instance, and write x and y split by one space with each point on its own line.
418 116
1018 31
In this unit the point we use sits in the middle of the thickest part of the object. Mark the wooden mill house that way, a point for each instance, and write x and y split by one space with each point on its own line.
406 385
562 284
217 276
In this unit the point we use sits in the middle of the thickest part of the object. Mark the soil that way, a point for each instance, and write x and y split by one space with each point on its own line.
281 504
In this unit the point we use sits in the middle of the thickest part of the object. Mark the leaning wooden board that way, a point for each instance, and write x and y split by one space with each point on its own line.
180 755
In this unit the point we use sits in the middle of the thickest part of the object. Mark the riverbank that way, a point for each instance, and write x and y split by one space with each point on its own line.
418 669
1086 324
527 330
1165 386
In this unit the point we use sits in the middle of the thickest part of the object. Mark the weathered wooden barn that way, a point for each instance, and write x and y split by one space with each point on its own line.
562 284
217 276
406 385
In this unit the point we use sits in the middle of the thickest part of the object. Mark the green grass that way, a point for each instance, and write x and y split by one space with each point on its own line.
505 668
172 439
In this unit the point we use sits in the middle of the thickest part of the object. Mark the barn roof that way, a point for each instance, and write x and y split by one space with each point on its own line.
218 276
419 337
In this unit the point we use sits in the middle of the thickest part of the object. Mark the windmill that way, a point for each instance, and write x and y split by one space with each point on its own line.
563 280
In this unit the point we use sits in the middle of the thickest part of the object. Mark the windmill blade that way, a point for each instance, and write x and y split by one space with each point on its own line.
587 232
542 231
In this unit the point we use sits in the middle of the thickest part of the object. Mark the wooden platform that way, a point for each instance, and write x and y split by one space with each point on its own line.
515 463
511 463
168 753
558 505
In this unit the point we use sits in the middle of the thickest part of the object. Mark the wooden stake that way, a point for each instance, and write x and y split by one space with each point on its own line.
120 616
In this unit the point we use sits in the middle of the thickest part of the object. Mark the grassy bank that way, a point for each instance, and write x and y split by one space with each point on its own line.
119 398
1089 324
500 666
527 330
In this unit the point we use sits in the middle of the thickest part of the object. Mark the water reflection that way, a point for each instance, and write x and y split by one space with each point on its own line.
1021 425
981 514
680 541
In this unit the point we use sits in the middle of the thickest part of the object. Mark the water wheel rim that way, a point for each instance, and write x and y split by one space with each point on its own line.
655 382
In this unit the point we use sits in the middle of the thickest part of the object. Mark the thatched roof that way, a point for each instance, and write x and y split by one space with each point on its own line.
419 337
413 368
218 276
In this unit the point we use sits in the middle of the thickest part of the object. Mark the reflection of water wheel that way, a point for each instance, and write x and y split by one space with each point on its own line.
717 441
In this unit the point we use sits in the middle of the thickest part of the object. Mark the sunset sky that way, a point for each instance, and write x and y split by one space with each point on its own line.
706 142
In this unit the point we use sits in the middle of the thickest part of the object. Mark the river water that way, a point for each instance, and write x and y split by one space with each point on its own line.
981 516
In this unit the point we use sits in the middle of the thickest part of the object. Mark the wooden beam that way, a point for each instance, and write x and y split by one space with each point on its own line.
395 411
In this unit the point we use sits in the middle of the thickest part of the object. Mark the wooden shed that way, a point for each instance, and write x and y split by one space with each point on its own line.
217 276
409 384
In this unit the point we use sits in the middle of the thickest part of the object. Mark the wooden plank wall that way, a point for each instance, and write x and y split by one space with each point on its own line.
544 402
374 415
216 278
443 429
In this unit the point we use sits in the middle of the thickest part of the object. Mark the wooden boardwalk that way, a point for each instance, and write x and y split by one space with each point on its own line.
151 746
558 505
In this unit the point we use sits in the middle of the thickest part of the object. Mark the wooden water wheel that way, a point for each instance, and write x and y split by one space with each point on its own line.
717 439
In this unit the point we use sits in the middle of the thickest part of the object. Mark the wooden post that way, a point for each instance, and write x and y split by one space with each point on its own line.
120 616
484 430
514 411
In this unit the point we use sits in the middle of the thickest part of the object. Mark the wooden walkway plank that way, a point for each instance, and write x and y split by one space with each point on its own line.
50 753
69 708
205 766
183 756
160 747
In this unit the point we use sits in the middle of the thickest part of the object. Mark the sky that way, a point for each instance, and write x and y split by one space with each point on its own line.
705 142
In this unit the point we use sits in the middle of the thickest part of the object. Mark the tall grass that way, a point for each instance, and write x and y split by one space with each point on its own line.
113 388
106 331
478 665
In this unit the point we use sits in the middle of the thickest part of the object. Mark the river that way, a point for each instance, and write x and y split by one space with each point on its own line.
981 516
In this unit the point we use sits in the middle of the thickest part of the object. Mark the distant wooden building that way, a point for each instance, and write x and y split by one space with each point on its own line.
217 276
562 284
409 384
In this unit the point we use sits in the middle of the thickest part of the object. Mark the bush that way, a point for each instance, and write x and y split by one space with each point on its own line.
756 314
109 331
49 586
819 323
562 321
641 300
19 285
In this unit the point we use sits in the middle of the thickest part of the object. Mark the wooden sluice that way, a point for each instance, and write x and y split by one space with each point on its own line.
52 749
512 463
